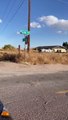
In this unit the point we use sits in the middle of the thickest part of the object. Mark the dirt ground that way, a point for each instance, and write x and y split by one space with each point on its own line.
9 69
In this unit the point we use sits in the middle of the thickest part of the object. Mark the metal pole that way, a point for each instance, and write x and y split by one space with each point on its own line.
19 50
29 9
24 51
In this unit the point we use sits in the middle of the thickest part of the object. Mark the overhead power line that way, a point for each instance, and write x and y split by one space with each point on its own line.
6 9
9 8
12 17
20 5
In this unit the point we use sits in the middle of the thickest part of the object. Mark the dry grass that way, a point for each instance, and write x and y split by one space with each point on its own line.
34 57
47 58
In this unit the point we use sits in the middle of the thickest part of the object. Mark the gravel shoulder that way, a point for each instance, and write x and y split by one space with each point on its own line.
10 69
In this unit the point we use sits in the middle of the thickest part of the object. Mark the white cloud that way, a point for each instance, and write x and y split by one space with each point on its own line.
54 21
62 32
62 24
0 21
59 32
35 25
49 20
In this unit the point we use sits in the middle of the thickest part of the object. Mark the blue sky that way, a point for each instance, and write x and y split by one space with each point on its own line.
49 22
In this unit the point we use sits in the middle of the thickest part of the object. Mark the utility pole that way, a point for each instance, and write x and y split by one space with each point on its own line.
29 11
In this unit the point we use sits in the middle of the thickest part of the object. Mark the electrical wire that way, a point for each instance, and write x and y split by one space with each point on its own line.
6 16
7 11
20 5
6 8
11 8
12 17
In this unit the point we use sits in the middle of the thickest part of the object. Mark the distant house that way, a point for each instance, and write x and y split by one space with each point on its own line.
59 49
56 48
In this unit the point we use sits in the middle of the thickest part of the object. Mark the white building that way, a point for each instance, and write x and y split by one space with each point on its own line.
59 49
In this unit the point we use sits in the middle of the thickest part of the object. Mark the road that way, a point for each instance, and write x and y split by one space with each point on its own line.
37 96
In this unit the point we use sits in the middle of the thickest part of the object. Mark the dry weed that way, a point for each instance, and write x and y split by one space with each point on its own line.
34 57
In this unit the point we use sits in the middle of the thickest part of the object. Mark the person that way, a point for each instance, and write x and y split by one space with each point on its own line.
2 116
1 107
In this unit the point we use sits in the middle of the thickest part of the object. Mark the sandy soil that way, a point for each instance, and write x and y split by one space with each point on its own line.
10 69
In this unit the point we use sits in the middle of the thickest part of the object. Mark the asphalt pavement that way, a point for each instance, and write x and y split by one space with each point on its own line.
36 96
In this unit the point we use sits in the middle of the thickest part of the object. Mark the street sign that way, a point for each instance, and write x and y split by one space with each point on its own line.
25 32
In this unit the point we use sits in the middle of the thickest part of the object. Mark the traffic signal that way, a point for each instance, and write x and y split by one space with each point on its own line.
25 39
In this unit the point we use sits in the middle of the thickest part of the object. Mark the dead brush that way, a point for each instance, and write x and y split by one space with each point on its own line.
47 58
34 57
9 57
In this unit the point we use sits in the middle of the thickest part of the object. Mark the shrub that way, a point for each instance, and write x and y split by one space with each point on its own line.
9 47
9 57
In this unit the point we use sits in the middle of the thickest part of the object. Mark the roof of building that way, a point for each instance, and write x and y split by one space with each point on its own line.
49 47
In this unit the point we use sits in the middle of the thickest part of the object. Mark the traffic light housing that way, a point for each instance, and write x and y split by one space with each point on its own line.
25 39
